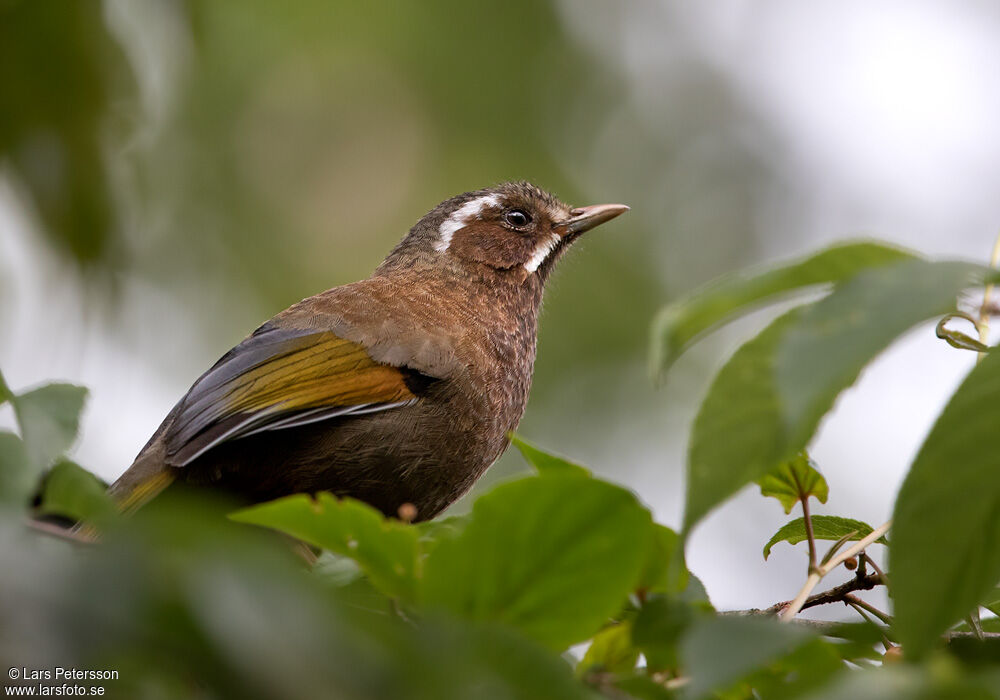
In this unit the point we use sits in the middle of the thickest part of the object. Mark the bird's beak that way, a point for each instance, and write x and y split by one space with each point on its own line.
585 218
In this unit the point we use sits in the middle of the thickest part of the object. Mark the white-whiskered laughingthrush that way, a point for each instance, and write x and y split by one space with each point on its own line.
398 389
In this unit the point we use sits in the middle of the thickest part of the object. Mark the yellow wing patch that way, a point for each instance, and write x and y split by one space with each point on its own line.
278 379
330 372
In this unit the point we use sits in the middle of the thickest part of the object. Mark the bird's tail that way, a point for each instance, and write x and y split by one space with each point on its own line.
148 476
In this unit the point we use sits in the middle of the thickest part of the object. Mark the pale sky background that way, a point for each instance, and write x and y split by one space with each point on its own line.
882 119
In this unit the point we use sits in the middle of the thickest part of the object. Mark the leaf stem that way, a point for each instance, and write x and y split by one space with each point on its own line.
817 575
807 520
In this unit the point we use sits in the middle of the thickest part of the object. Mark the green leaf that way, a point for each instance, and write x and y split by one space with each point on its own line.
384 548
945 555
350 582
992 601
17 473
720 651
794 481
554 555
611 651
545 462
856 640
73 492
431 533
809 667
641 687
658 628
5 393
825 350
682 322
825 527
665 568
767 401
736 436
49 418
957 339
909 682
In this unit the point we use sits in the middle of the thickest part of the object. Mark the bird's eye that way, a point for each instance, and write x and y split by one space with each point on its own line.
517 218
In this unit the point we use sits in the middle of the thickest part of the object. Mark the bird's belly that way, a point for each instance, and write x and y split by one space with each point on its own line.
426 454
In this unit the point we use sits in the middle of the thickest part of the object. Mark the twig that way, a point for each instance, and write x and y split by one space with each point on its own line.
871 562
834 595
52 530
864 605
817 575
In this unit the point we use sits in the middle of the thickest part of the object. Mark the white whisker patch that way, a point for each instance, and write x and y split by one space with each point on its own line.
461 217
542 251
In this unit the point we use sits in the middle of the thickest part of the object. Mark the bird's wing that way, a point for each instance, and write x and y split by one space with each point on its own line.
280 378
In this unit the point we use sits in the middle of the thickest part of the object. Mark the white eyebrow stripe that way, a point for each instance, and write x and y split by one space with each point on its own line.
542 251
460 217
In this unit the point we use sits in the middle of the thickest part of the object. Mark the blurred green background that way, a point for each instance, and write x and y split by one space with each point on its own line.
174 172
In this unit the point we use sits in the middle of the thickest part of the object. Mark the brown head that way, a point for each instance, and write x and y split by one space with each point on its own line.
513 230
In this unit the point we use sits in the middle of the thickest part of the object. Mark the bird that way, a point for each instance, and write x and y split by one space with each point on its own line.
398 390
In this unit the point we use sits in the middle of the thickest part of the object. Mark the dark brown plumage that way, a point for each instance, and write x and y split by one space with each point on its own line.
400 388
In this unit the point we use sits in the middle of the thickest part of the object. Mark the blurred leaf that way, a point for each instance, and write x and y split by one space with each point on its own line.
386 549
658 628
906 682
610 651
529 557
49 418
977 653
957 339
182 600
431 533
5 393
808 668
546 462
352 586
642 687
945 555
59 66
989 624
17 472
683 321
794 481
720 651
825 350
992 601
855 641
696 594
825 527
73 492
665 568
736 436
337 570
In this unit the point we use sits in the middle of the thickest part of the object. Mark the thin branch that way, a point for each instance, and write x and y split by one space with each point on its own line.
860 611
814 578
865 559
864 605
834 595
74 535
